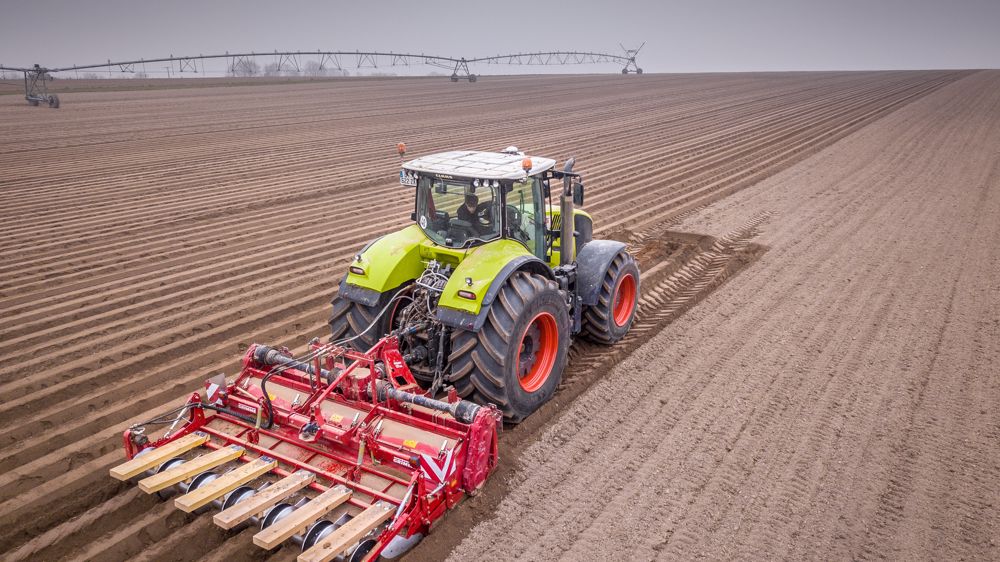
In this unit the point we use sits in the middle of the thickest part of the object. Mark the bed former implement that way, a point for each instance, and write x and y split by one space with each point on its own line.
340 451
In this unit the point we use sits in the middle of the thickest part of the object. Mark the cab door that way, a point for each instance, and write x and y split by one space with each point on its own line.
524 214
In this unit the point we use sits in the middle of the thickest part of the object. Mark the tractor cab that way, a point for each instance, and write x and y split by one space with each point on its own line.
467 198
484 293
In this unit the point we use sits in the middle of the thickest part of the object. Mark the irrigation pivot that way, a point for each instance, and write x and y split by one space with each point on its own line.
243 64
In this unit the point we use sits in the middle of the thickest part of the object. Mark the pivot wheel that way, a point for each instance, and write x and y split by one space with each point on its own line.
611 318
362 324
516 359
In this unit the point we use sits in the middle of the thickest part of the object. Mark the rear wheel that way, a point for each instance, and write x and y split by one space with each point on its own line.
610 319
517 359
361 323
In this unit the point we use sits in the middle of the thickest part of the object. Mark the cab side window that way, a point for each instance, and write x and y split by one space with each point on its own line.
524 217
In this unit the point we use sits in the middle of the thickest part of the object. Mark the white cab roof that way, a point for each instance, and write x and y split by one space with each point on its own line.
482 165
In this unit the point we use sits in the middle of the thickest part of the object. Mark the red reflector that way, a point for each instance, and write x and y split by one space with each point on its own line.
357 270
467 295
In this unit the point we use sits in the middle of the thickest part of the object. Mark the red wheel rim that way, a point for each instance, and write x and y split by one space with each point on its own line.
537 350
624 300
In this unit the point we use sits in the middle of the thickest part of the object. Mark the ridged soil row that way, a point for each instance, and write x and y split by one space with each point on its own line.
181 200
270 291
834 403
690 280
177 197
17 404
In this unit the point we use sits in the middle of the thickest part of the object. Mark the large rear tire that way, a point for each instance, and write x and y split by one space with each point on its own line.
517 359
611 318
349 319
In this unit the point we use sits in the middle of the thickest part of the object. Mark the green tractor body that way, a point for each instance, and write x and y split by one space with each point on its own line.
478 290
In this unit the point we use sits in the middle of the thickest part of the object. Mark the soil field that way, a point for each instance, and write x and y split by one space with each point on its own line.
834 399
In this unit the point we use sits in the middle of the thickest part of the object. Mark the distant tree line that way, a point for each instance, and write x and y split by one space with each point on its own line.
248 68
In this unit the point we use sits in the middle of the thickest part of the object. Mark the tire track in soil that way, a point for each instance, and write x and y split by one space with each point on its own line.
666 296
829 418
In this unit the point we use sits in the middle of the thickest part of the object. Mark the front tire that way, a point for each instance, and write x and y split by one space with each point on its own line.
611 318
351 320
517 359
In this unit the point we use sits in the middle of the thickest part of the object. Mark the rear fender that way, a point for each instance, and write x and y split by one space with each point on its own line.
591 265
489 271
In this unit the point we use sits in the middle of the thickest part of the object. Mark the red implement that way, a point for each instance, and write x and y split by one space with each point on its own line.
350 455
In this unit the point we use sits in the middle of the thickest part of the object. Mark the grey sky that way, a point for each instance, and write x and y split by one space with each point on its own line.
681 36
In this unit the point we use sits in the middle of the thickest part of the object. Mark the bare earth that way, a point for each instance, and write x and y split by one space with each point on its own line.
813 374
837 400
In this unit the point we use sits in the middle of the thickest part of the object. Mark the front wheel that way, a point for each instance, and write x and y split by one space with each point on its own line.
610 319
362 326
517 359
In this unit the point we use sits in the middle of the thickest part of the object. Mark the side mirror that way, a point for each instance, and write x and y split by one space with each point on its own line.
578 194
546 192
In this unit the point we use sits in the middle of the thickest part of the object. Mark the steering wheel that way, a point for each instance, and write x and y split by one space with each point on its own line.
484 215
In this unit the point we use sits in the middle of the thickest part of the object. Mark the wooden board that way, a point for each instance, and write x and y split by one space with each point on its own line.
229 518
189 468
348 534
155 457
298 520
224 484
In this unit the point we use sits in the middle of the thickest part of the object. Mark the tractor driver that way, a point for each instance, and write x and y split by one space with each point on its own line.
476 215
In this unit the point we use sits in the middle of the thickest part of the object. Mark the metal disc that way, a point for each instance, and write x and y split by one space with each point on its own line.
201 479
238 495
316 532
169 464
364 548
275 514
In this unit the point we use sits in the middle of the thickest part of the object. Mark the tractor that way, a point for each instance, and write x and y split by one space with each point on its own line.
440 332
489 286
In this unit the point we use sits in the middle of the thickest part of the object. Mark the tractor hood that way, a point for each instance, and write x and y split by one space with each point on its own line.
400 257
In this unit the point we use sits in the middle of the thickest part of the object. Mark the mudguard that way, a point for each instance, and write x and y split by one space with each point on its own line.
386 263
474 320
591 265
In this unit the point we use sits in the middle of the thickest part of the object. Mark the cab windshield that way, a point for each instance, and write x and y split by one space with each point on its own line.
456 213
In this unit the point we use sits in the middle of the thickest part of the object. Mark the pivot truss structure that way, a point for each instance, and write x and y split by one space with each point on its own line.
36 78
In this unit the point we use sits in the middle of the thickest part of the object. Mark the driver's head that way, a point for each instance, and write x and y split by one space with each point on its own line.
471 202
